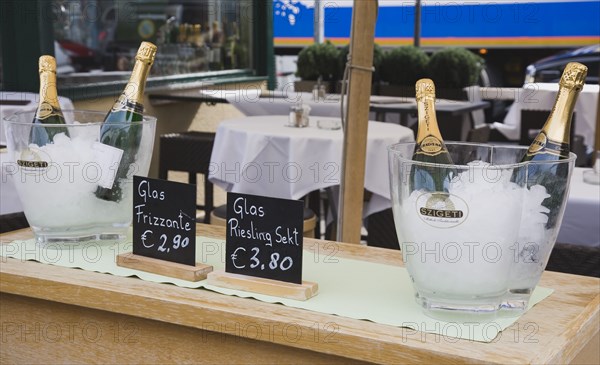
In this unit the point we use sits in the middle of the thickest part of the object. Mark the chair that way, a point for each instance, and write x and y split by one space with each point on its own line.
477 116
382 230
575 259
219 217
12 222
532 122
479 134
189 152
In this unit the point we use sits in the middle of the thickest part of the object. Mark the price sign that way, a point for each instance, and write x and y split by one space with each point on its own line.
164 220
264 237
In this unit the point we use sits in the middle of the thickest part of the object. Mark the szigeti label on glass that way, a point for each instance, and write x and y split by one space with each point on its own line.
442 210
33 159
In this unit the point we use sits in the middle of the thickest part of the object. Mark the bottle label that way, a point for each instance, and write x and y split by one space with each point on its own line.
542 144
442 210
124 104
108 158
45 111
430 146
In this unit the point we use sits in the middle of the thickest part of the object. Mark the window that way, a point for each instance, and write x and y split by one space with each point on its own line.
192 36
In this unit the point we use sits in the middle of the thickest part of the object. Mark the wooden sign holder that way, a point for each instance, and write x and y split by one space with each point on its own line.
162 267
274 288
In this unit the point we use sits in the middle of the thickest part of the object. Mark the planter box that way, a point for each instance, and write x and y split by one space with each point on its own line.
374 88
403 91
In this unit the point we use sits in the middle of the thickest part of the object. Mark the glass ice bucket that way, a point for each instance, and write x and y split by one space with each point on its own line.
57 182
480 245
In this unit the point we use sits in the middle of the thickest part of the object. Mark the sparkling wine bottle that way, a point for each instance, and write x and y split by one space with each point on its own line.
118 130
48 111
430 146
553 141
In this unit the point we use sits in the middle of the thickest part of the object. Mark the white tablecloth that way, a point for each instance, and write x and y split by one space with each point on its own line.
250 102
541 96
263 156
10 202
581 222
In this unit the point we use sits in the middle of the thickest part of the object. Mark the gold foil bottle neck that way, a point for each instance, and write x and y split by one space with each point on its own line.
425 88
573 76
146 53
47 64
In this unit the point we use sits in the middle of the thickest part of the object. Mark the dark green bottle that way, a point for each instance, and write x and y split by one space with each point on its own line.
48 111
553 141
430 146
118 130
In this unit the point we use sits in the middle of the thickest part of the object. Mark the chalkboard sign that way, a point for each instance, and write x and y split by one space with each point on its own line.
164 220
264 237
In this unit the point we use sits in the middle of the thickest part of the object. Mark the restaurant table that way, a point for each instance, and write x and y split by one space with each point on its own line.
541 96
63 315
12 102
261 155
453 116
581 222
253 102
442 106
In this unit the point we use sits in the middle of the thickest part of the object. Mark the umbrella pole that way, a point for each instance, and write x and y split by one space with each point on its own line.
349 222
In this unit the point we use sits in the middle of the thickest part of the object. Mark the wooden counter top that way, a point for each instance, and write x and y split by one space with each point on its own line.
55 314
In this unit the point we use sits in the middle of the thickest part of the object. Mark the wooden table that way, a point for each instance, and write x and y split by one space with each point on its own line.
55 314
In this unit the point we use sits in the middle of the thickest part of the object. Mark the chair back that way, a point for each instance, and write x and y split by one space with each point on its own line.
479 134
474 95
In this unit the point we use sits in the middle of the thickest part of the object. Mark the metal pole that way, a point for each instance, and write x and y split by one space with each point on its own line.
318 22
417 35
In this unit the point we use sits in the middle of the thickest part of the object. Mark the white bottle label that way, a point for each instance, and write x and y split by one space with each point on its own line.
108 159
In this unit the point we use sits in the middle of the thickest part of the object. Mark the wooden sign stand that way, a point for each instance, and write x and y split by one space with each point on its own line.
274 288
162 267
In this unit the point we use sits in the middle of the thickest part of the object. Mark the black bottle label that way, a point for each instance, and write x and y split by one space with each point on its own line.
430 146
123 103
542 144
45 111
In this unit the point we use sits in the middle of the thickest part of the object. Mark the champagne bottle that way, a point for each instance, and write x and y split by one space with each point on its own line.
430 146
48 110
117 130
553 141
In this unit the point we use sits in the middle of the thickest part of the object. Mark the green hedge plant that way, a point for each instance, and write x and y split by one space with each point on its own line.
403 66
455 68
316 60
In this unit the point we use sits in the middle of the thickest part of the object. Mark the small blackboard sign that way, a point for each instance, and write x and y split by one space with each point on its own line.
264 237
164 220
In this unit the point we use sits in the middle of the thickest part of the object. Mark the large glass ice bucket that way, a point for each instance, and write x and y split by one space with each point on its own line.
57 182
480 244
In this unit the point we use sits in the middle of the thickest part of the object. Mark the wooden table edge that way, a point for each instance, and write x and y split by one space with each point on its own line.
212 305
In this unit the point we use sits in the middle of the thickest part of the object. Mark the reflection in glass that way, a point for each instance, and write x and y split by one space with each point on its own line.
192 35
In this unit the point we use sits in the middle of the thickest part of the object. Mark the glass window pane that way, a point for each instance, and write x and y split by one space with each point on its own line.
191 35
